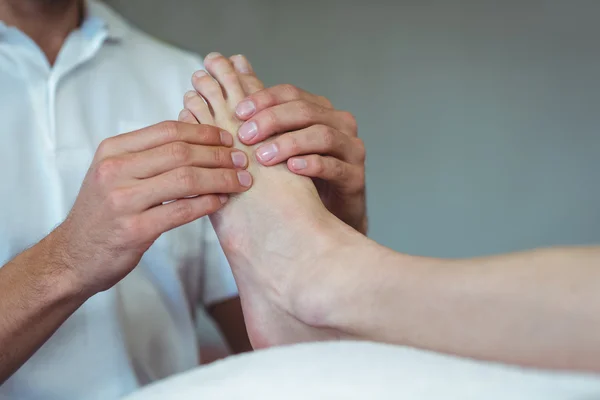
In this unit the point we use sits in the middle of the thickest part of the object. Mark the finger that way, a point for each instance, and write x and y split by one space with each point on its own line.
288 117
163 218
170 156
276 95
157 135
198 107
187 182
250 82
317 139
344 176
222 70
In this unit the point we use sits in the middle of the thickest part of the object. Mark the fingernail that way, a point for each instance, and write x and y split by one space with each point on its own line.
239 159
241 65
223 198
226 138
190 94
248 131
245 109
214 54
245 178
299 163
267 153
199 74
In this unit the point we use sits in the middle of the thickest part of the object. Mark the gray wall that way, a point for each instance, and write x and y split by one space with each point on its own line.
481 118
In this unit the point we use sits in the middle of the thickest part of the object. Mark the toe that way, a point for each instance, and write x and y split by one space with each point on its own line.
248 79
198 107
223 71
209 89
187 117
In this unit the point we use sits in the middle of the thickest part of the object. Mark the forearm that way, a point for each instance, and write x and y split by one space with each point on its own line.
540 308
35 299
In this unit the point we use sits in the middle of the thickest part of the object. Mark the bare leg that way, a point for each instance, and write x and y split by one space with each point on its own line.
271 230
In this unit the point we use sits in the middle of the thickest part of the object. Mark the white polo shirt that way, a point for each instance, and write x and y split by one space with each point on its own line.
109 79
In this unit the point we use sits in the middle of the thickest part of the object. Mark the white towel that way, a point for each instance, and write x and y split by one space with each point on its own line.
364 371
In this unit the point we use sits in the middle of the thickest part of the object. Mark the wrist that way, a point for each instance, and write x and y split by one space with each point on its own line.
51 265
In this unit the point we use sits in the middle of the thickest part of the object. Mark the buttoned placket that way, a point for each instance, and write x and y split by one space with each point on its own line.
43 80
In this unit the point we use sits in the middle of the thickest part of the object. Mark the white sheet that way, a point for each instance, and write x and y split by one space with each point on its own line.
361 370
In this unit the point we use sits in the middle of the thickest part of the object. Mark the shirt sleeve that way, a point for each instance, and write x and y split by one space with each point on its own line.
219 284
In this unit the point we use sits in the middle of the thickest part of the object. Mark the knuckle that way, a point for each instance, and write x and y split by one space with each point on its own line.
182 211
361 177
220 157
206 133
337 170
305 110
294 144
289 91
104 147
351 122
116 200
210 203
325 101
180 152
361 150
107 170
269 119
328 137
229 180
185 178
170 129
319 166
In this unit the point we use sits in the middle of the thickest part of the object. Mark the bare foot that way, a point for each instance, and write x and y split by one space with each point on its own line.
276 234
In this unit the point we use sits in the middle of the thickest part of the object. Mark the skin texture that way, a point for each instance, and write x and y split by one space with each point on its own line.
325 139
303 275
268 230
537 309
308 134
46 22
116 218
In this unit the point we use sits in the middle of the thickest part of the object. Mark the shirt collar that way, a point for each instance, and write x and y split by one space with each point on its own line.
98 16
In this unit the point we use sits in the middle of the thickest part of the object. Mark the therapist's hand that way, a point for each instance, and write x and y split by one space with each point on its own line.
140 185
314 138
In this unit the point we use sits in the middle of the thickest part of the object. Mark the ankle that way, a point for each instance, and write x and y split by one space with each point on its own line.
315 297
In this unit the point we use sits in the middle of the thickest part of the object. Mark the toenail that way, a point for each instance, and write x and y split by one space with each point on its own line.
239 159
190 94
299 163
213 55
226 138
223 198
245 109
184 114
267 153
245 178
241 64
248 131
199 74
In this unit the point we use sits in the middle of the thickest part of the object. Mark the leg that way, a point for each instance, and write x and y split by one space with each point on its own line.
270 231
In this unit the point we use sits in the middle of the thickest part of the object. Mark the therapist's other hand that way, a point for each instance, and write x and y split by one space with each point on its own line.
140 185
311 136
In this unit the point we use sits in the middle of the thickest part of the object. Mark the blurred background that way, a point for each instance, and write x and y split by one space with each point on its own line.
481 118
